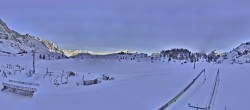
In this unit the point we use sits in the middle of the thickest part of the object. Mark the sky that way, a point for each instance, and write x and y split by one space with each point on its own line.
137 25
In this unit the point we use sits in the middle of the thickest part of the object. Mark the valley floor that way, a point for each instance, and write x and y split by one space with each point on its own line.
137 85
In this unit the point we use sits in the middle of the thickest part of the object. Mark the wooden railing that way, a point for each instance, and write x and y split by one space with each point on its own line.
30 89
25 83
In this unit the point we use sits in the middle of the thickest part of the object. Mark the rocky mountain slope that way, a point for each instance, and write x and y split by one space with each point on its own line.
12 42
240 54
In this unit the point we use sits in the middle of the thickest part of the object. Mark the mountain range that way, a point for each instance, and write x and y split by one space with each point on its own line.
12 42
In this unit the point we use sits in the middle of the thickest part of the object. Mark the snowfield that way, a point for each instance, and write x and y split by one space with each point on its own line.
137 85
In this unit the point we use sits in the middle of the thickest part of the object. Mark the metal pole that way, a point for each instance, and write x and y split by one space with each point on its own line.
194 64
33 54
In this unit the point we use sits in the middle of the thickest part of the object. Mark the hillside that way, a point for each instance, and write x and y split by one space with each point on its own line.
240 54
12 42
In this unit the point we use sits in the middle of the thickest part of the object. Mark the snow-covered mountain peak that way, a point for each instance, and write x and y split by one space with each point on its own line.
243 47
239 54
70 53
12 42
3 26
215 52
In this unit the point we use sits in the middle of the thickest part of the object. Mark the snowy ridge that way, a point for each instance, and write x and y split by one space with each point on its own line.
70 53
12 42
240 54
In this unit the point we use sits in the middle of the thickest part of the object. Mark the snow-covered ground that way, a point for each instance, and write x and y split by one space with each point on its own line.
137 85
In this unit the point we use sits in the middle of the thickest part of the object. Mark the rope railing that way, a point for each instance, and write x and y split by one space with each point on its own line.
182 92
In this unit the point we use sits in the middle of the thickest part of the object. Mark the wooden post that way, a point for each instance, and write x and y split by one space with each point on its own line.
61 77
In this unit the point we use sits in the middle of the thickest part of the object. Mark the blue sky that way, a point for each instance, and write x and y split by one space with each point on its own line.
142 25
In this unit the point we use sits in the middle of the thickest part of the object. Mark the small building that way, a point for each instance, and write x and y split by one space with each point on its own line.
91 82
